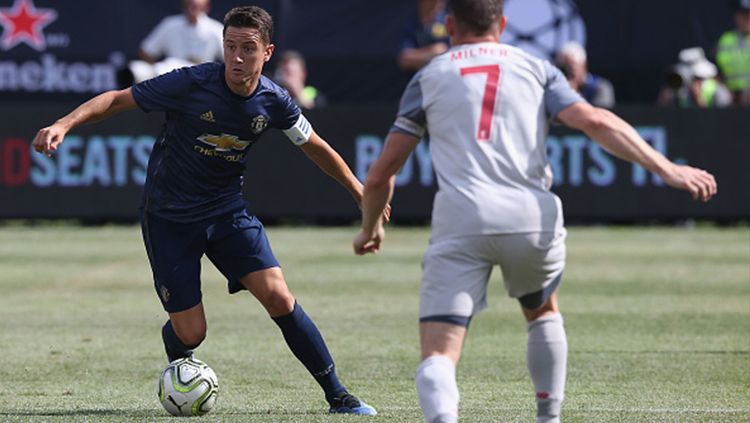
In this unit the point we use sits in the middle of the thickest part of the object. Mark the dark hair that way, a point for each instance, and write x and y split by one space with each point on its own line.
250 17
476 16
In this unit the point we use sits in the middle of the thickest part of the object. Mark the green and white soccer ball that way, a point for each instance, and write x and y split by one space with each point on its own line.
188 387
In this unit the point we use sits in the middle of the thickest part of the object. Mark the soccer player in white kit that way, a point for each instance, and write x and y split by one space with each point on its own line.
486 107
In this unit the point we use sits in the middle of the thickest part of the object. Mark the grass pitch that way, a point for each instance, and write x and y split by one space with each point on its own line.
658 323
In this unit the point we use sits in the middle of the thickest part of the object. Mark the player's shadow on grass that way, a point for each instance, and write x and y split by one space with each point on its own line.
80 412
148 413
697 352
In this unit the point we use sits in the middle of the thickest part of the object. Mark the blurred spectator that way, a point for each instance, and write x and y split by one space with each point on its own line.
291 73
425 37
189 38
692 82
733 54
598 91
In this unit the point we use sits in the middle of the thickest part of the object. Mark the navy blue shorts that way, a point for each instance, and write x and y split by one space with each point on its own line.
235 243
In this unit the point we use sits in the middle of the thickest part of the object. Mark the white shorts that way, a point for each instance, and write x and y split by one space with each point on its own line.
455 272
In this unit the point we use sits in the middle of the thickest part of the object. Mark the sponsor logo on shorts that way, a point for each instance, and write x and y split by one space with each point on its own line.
164 293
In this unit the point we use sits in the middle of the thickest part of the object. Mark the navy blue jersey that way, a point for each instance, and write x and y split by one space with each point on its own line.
196 167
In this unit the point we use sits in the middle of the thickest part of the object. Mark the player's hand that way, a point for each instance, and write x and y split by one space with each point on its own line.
48 139
699 183
387 213
368 243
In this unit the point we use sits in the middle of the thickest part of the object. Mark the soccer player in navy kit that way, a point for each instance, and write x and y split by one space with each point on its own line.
192 203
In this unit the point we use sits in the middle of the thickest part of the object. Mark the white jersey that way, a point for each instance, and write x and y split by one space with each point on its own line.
175 37
486 108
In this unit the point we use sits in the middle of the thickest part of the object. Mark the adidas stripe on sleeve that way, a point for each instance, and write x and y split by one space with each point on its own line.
300 132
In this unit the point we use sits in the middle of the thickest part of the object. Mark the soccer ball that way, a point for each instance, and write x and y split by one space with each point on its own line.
188 387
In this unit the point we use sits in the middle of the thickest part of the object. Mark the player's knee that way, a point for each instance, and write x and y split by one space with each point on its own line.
547 308
193 339
279 303
192 336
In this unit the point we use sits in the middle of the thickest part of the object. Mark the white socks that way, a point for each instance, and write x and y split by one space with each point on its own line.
437 389
547 358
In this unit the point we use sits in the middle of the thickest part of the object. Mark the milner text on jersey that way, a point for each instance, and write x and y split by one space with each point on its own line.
478 51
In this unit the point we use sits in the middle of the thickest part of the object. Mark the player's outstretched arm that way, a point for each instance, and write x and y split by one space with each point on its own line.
330 162
623 141
379 190
98 108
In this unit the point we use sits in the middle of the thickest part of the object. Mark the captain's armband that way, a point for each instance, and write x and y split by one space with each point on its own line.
408 126
300 132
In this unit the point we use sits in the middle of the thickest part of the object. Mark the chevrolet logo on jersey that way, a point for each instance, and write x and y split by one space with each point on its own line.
224 142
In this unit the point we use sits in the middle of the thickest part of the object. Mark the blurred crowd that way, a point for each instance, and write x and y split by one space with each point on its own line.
719 78
695 81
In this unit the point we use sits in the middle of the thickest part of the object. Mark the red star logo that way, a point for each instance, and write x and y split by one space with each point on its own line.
23 22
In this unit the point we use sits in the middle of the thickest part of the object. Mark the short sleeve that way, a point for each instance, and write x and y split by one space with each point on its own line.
289 112
411 118
291 120
163 93
558 94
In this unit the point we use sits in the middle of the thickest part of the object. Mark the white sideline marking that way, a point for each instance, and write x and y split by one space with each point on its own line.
664 410
608 410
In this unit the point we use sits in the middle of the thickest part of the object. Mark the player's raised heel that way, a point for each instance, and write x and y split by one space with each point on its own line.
347 403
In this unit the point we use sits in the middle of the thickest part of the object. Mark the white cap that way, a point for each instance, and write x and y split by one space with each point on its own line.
574 50
695 59
692 55
704 69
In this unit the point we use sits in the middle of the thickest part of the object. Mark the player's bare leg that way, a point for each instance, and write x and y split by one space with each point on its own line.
547 357
436 375
548 308
438 338
303 337
269 287
184 331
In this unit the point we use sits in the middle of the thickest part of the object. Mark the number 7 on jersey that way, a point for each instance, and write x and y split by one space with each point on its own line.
488 101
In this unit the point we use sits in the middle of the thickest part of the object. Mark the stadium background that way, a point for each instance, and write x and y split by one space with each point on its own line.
350 47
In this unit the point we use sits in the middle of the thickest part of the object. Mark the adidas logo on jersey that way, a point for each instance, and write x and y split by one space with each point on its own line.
208 116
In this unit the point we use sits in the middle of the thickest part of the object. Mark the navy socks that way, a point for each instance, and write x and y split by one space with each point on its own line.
172 344
308 346
303 339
